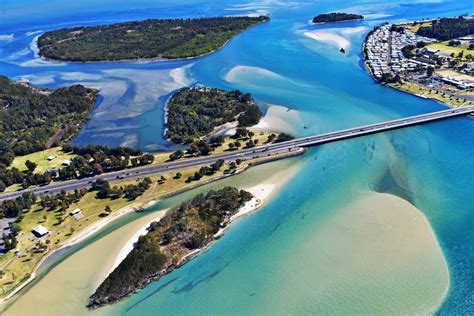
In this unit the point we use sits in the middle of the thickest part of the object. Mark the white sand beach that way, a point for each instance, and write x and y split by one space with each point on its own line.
330 38
234 74
181 76
128 246
279 119
263 191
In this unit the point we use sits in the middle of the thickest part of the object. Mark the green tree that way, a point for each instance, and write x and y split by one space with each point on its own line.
30 165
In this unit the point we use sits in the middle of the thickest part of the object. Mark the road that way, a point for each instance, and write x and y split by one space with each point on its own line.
245 154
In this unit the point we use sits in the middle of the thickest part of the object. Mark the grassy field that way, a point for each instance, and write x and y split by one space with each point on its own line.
418 90
416 27
63 226
40 158
446 49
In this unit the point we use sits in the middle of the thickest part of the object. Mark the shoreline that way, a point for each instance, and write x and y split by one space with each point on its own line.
391 85
369 70
76 240
127 210
261 193
130 244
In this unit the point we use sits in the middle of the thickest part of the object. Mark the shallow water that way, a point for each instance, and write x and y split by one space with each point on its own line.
431 166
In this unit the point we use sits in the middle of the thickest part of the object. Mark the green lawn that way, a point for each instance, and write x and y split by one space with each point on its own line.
40 158
446 49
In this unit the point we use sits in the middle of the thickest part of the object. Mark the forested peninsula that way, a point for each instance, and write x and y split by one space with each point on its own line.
195 112
153 38
33 119
336 17
170 242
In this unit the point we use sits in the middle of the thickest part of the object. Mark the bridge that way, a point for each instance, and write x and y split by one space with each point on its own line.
256 152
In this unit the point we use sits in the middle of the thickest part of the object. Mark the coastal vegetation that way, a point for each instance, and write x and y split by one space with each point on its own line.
153 38
191 226
336 17
448 28
95 159
33 119
83 162
196 112
55 211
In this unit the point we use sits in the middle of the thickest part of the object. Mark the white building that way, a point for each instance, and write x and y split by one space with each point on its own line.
67 162
40 231
76 211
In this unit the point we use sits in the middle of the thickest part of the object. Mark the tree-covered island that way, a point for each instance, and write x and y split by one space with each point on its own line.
170 242
195 112
154 38
336 17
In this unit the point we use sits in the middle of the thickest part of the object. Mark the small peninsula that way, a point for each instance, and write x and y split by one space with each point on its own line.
33 118
154 38
196 112
336 17
171 242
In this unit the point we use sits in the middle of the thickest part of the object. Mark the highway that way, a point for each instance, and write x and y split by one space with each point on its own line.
245 154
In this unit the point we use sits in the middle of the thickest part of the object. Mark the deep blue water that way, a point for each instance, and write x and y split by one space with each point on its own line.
430 165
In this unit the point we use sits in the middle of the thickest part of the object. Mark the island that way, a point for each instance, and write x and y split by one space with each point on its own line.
336 17
148 39
172 241
430 59
195 112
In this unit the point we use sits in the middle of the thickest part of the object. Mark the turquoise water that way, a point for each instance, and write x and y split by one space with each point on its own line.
431 166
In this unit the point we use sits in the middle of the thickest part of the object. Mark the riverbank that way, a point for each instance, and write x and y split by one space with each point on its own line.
79 275
130 244
396 60
84 234
260 193
149 198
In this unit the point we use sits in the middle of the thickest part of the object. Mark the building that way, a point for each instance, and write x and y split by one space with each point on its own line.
431 51
76 211
51 158
67 162
40 231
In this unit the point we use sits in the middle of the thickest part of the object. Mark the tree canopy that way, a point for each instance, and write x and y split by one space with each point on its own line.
195 112
153 38
31 117
448 28
336 17
180 231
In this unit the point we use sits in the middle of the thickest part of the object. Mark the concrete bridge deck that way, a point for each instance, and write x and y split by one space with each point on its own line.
260 151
